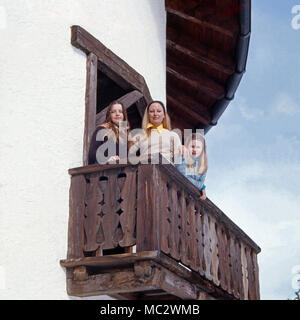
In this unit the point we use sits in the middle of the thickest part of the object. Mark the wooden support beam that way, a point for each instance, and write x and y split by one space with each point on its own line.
90 103
187 108
206 33
188 19
145 272
177 121
194 79
185 113
175 285
196 45
224 15
114 282
196 87
203 63
112 261
109 63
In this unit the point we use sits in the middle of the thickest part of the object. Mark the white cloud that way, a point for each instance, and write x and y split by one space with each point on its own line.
247 112
286 104
255 197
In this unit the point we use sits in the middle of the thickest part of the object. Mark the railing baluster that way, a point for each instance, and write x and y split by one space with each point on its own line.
223 248
200 244
92 220
207 246
166 216
128 206
175 223
244 271
214 252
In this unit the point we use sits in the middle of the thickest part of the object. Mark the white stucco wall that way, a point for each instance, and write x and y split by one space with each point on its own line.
42 96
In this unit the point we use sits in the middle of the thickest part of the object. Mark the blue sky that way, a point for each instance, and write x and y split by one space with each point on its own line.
254 152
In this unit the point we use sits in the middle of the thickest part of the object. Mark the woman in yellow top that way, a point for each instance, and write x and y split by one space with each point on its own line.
157 135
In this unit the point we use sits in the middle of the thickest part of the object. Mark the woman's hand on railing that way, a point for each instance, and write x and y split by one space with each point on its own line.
184 151
113 159
203 195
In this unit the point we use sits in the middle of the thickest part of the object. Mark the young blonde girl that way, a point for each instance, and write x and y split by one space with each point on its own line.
193 162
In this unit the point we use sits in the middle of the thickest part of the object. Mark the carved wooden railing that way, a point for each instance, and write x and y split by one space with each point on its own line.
155 208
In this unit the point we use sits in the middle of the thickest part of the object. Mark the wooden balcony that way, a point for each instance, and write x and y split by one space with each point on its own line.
185 248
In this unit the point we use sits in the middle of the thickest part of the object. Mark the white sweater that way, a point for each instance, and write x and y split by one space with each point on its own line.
159 143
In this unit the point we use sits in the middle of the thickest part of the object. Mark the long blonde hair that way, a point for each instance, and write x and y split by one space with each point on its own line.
166 121
202 159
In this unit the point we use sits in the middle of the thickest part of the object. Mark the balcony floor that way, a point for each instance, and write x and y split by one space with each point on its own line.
137 276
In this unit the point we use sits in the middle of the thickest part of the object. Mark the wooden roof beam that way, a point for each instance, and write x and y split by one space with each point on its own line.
196 81
210 85
185 112
183 85
223 15
217 71
191 108
193 44
207 33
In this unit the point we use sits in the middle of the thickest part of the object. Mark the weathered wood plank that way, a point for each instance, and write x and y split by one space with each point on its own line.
199 84
166 218
212 35
202 61
112 282
189 231
110 219
90 103
194 110
194 245
115 260
95 168
256 275
148 228
214 253
192 277
184 230
244 271
175 221
207 257
223 248
200 245
177 286
76 217
94 236
128 205
253 281
235 267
